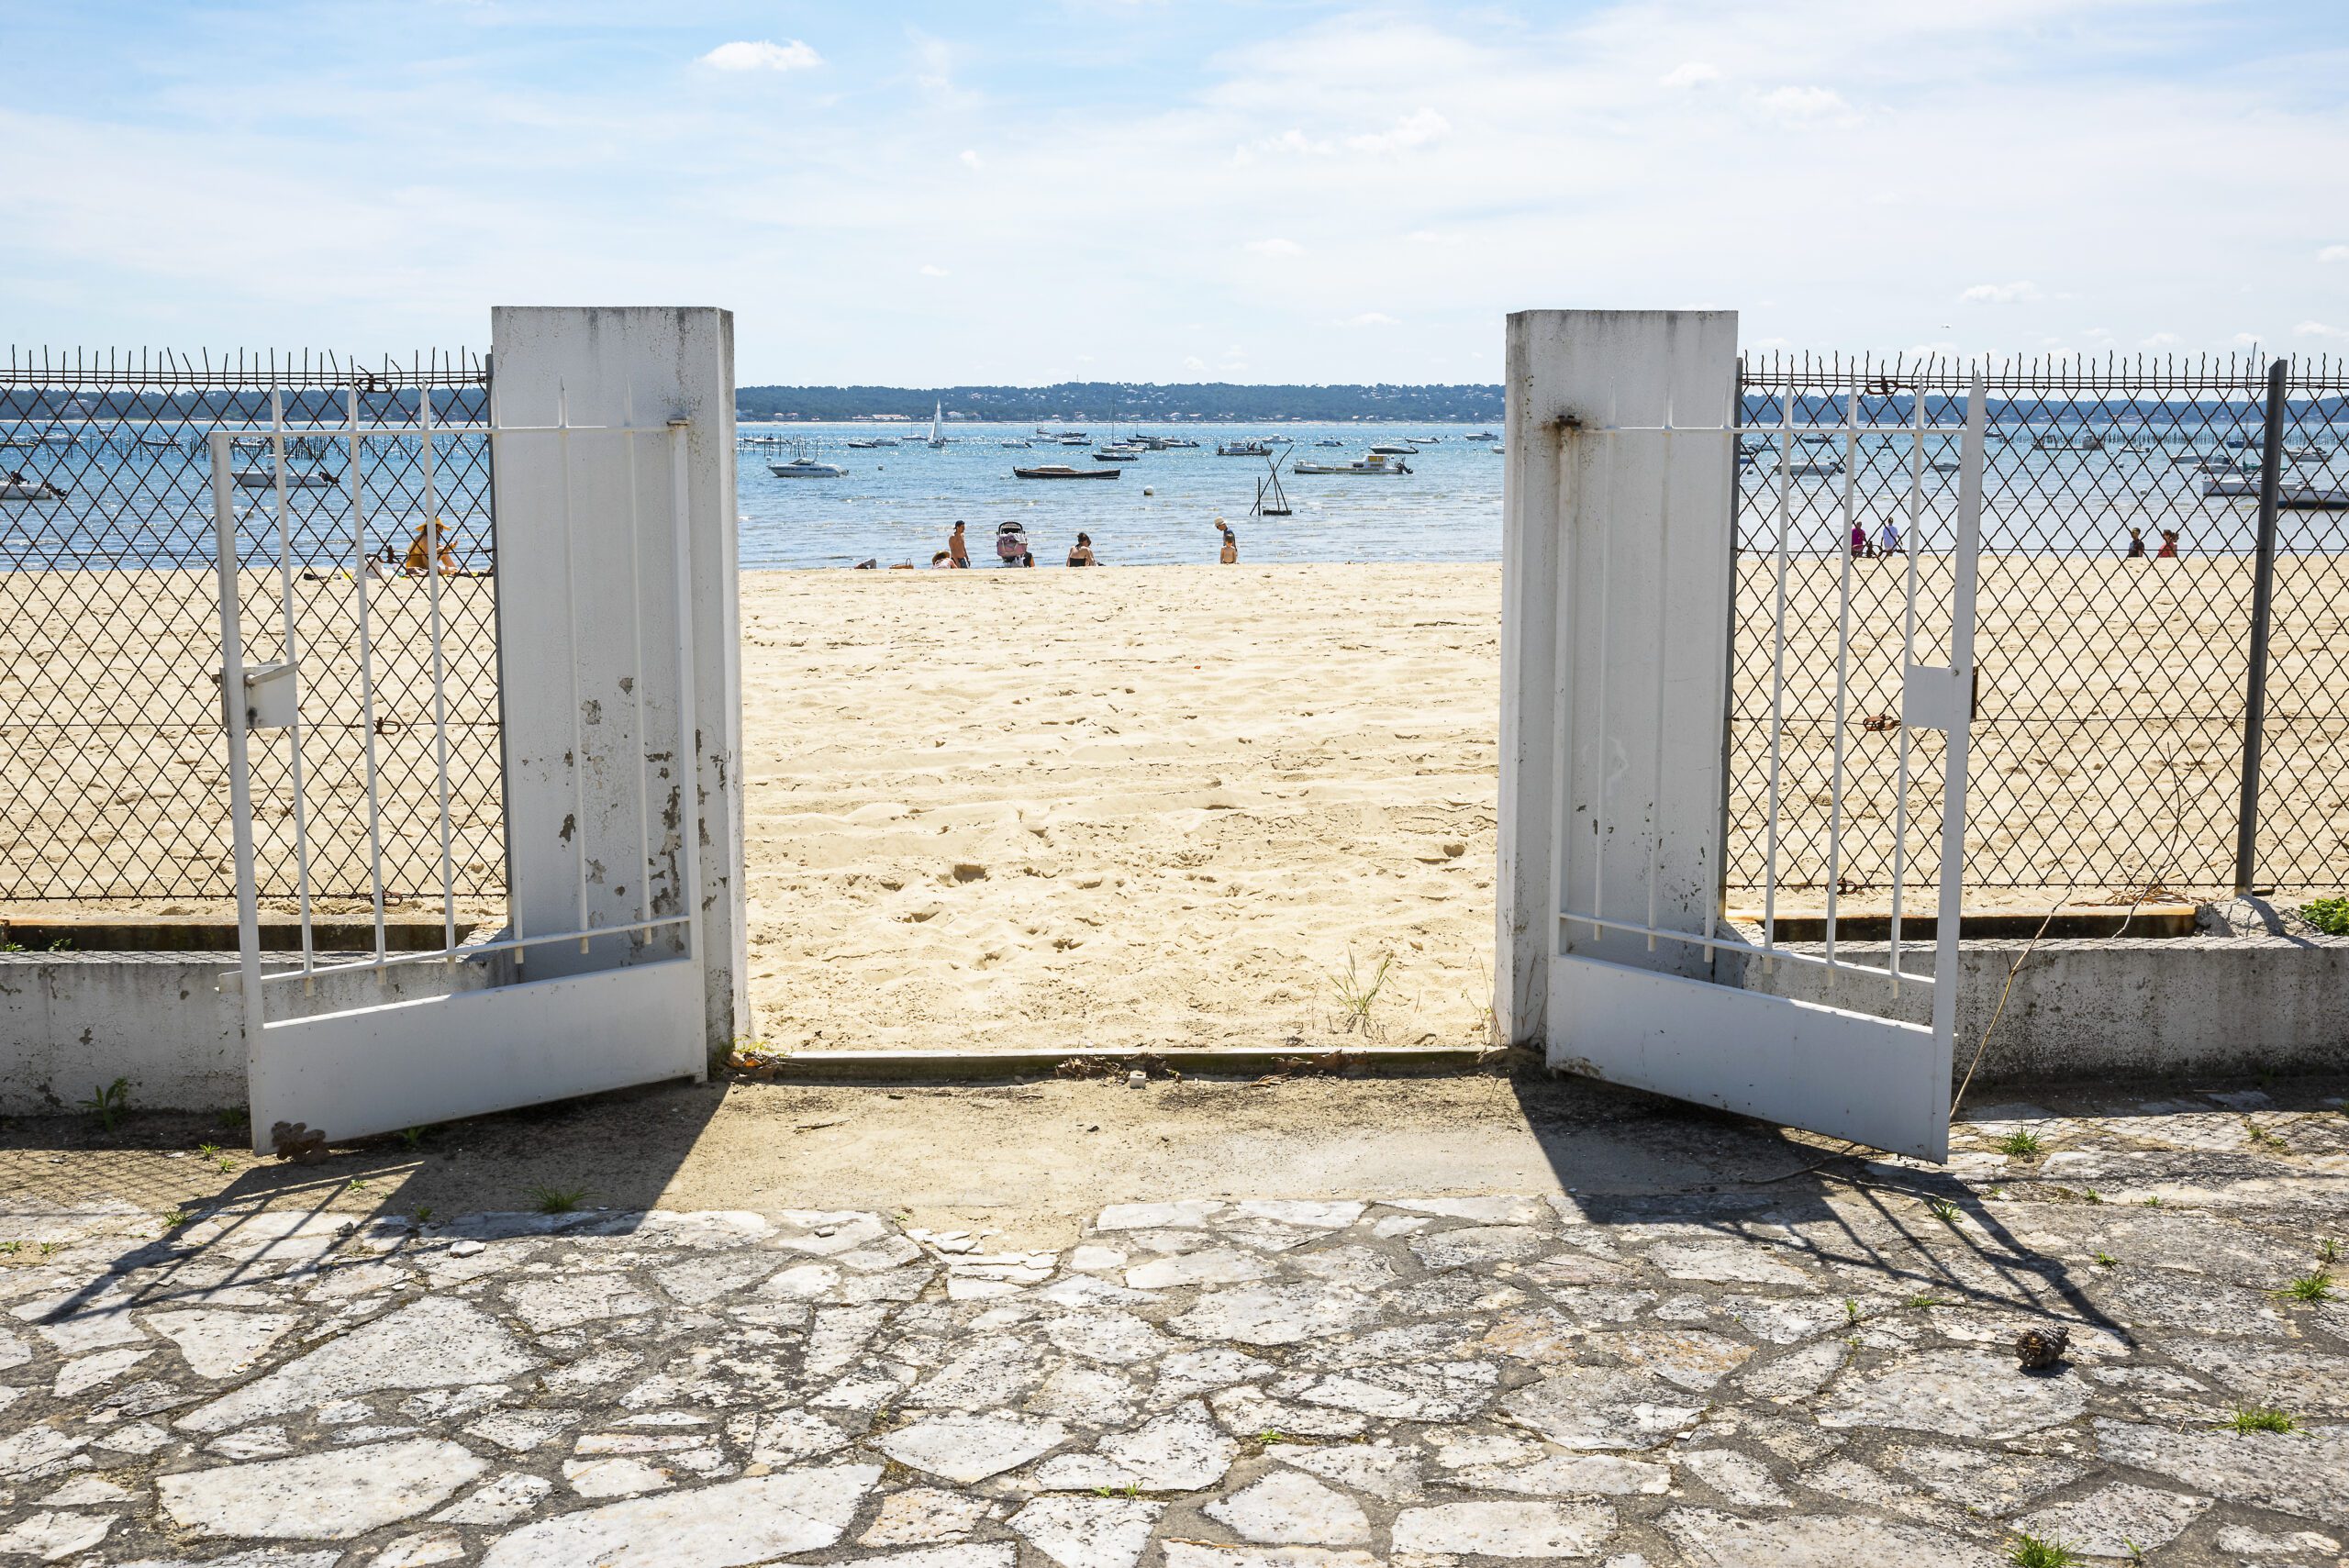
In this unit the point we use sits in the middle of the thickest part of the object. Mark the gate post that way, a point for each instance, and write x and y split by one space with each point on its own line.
581 571
1615 586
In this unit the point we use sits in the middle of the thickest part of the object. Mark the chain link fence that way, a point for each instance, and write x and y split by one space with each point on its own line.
2120 520
117 766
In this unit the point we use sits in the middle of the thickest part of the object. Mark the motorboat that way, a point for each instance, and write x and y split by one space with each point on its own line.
1376 463
1329 441
1499 449
15 489
1172 442
805 465
1117 454
266 479
1077 441
1423 441
1481 436
1243 449
1015 442
1062 471
2291 497
1394 449
1831 467
869 443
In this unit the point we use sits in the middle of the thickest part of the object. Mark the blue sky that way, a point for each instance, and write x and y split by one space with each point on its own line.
1139 191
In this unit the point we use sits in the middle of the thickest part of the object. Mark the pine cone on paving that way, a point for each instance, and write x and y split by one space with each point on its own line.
2038 1349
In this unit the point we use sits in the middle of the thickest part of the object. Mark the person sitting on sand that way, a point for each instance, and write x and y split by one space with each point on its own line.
955 546
1081 552
2168 550
416 551
1230 555
2136 544
944 558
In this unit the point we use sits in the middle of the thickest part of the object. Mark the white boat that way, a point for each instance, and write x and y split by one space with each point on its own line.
1329 441
868 443
1172 442
29 490
804 464
1243 449
1394 449
1831 467
1117 454
2291 497
1481 436
937 414
1022 445
1500 448
266 479
1376 463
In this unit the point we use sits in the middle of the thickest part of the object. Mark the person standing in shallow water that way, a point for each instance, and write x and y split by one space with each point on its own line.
2136 544
1230 555
956 547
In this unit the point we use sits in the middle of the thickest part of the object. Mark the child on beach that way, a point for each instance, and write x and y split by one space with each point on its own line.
1230 555
2136 544
2168 550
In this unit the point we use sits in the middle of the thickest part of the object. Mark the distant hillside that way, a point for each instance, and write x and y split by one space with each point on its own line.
1090 402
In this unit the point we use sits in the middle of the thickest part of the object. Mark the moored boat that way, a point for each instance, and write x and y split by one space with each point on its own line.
1378 463
1062 471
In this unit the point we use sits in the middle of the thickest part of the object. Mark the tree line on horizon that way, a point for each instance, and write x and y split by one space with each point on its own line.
1093 402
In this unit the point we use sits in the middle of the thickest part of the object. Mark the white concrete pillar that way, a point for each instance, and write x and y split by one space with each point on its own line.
1615 581
587 594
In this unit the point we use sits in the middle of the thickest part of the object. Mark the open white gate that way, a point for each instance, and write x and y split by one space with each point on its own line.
352 1043
1640 990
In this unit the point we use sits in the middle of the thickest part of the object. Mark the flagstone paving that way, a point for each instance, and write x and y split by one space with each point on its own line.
1817 1370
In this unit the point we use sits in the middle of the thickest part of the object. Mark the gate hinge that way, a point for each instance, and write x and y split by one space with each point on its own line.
272 697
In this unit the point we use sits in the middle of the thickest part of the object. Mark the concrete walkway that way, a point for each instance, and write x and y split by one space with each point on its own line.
1814 1366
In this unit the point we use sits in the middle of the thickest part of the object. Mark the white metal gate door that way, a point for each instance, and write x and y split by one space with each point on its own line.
341 659
1837 1062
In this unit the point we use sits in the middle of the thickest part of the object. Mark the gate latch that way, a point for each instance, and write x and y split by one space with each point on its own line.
1934 696
271 696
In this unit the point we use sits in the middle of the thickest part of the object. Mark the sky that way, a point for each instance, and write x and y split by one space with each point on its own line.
1178 190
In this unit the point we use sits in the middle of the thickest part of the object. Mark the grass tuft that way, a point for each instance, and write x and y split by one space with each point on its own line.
558 1200
2259 1419
2313 1287
2019 1145
108 1101
2030 1551
1358 993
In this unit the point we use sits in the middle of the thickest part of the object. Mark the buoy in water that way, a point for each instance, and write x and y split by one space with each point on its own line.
1148 491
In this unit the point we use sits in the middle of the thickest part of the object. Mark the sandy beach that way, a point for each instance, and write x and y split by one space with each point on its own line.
1155 806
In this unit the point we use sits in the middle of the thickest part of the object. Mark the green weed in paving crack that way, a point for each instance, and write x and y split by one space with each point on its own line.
1945 1211
2019 1145
558 1200
2107 1261
2259 1419
107 1102
2030 1551
2316 1287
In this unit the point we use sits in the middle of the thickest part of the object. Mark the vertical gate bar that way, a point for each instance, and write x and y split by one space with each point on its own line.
636 632
1908 657
433 537
1663 581
1733 421
2263 588
570 659
688 719
1961 660
293 656
361 575
498 627
233 713
1842 671
1778 662
1599 784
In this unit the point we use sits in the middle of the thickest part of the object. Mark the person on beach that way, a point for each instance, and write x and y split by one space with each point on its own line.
417 551
2136 544
955 546
1860 541
1012 546
944 558
1887 538
1081 552
2168 550
1230 555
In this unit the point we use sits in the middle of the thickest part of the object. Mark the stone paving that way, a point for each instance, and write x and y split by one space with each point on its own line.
1815 1369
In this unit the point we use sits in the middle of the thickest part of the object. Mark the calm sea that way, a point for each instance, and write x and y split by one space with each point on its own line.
899 503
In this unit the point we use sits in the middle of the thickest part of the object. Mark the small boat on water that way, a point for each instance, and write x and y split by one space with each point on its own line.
1500 448
1831 467
1172 442
1062 471
1481 436
1394 449
31 490
1329 441
1016 442
1376 463
1243 449
1077 441
937 414
1117 454
868 443
266 479
2080 441
805 465
2291 497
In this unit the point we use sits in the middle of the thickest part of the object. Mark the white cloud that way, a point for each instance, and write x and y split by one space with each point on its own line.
1689 74
1412 130
1275 247
1803 104
1435 236
2020 291
932 271
2333 253
2320 329
1370 318
762 55
2159 340
1193 363
971 158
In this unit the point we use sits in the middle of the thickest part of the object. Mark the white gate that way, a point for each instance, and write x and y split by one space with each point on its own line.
353 1044
1685 1026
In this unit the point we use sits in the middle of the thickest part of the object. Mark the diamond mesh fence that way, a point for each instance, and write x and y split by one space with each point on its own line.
110 639
2120 525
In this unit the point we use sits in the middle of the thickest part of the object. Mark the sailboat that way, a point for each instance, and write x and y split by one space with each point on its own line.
938 412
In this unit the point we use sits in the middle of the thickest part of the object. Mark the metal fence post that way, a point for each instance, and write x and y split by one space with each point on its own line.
2263 582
